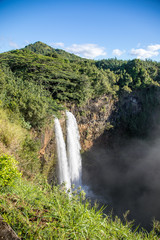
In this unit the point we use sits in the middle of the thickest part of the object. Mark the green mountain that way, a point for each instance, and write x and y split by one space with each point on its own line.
44 49
65 78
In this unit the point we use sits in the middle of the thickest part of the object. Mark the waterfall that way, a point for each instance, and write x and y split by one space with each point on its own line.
62 157
73 150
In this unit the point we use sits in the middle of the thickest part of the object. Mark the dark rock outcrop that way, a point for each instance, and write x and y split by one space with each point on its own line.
6 232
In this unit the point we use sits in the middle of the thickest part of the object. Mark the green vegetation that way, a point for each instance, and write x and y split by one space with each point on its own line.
8 170
34 81
30 101
19 142
133 74
37 82
35 211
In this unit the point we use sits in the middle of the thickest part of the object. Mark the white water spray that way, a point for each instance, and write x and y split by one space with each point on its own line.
73 150
62 157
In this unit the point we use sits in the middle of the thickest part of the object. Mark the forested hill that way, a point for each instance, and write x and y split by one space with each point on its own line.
44 49
36 79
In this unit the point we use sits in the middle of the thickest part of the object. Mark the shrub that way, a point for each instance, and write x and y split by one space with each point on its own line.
8 170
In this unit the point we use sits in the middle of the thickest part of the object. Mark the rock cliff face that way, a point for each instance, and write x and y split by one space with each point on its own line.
121 165
93 119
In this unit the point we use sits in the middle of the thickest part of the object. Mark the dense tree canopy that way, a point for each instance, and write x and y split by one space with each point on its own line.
35 80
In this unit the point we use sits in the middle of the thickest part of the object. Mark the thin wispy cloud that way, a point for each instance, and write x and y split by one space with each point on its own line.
118 52
138 45
87 50
149 52
13 44
26 42
58 44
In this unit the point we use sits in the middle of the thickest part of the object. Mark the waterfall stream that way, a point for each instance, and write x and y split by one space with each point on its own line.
73 150
70 170
62 157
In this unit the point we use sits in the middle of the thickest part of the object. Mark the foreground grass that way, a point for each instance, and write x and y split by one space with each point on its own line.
35 211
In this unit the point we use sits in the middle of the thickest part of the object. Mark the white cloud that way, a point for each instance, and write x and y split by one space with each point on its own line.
13 44
154 47
150 51
117 52
58 44
87 50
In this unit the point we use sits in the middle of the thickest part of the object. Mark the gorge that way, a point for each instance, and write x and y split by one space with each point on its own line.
120 169
116 106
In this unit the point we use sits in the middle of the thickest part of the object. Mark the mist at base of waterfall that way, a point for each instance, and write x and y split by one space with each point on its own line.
127 175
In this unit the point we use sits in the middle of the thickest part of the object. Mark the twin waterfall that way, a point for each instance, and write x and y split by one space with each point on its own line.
69 162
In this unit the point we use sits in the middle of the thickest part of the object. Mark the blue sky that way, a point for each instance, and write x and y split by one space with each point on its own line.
95 29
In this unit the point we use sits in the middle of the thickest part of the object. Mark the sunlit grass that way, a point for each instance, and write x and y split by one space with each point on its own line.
11 132
35 211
